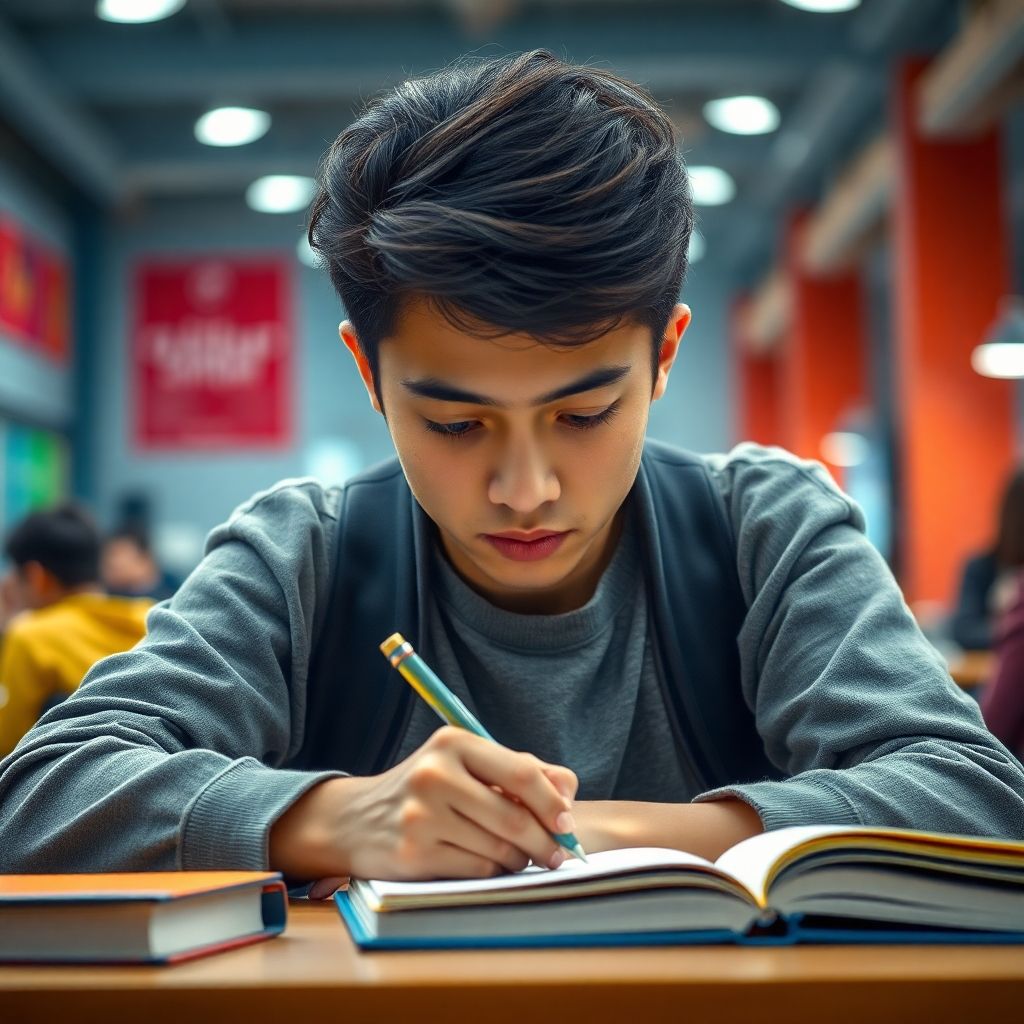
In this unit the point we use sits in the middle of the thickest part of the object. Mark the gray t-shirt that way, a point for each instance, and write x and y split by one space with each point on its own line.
174 754
550 684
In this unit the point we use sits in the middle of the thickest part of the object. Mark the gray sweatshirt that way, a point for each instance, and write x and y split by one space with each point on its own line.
175 754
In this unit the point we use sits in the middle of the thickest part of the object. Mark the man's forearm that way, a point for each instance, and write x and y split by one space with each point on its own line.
707 830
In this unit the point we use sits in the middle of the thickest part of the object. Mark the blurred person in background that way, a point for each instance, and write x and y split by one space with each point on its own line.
1003 701
129 568
989 577
57 619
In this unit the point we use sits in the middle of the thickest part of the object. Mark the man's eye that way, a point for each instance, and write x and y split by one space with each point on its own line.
577 422
454 430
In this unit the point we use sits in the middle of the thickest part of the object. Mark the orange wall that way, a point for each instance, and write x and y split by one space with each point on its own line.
951 269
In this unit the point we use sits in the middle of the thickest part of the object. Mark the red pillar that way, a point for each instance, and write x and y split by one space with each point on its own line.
824 354
951 268
757 378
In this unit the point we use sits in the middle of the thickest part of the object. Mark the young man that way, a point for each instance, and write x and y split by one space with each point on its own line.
58 620
129 567
673 650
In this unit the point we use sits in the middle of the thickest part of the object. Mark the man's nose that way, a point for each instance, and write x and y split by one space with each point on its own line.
525 479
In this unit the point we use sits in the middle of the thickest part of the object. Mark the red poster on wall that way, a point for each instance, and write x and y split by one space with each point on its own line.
20 283
211 354
35 292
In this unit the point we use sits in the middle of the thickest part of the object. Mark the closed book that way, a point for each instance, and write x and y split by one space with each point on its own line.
144 917
803 884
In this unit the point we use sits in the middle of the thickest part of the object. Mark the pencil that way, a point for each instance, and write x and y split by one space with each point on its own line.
419 675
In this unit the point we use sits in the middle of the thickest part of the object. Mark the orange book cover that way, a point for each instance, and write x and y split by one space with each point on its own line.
54 905
131 885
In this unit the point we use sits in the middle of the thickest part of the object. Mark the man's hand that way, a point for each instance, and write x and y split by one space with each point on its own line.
459 807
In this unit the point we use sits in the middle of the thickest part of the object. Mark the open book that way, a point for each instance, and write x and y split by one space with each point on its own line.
820 883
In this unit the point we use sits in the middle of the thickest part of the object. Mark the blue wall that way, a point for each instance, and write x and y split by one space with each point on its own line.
192 492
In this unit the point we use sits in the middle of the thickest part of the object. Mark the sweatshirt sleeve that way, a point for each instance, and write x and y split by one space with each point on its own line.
850 699
169 756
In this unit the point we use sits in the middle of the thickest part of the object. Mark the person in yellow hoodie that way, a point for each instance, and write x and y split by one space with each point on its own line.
58 619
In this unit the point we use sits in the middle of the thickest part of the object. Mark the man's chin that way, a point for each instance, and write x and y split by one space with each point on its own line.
523 577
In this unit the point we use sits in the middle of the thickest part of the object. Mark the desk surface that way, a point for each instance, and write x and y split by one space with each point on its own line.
313 972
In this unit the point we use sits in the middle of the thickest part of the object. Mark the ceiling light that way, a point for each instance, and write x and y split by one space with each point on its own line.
697 248
232 126
742 115
844 448
1001 354
711 185
280 193
135 12
823 6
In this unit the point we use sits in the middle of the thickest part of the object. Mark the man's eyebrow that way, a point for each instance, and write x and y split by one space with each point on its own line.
431 387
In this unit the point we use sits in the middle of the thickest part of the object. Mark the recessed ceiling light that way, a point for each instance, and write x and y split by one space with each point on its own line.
823 6
1001 354
1003 359
711 186
742 115
697 247
280 193
232 126
137 11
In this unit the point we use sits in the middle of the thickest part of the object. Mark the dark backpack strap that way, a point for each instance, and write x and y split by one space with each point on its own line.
698 609
357 705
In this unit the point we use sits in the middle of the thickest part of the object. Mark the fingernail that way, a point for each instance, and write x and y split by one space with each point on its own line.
565 822
557 858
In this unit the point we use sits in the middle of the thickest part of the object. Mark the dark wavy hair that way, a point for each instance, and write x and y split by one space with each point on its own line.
520 194
64 540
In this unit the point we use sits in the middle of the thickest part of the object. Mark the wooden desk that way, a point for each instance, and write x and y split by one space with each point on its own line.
314 974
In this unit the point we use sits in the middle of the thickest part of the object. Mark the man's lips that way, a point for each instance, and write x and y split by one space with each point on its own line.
529 546
526 537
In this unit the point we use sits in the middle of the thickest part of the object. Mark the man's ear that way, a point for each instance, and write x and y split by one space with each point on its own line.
347 333
670 341
41 585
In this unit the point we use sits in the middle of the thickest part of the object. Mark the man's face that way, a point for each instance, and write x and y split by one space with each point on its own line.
522 454
125 566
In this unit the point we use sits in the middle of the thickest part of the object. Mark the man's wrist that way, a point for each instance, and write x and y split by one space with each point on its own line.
304 841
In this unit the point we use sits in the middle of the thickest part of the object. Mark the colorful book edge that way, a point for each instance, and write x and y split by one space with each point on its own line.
783 932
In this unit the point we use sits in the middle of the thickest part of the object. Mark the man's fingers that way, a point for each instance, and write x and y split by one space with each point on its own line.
451 861
563 779
505 821
468 835
520 776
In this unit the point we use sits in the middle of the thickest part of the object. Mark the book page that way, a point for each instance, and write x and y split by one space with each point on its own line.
751 861
608 865
755 861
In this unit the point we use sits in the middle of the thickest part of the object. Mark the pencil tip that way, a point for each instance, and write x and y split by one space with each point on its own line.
578 852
